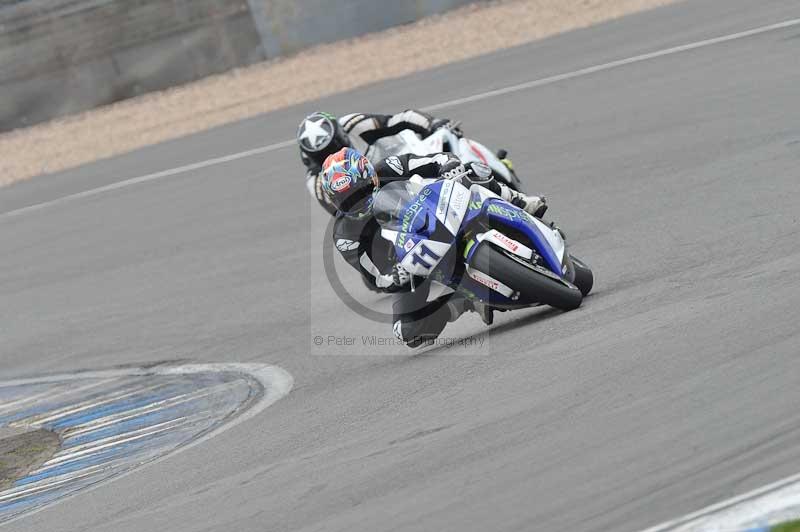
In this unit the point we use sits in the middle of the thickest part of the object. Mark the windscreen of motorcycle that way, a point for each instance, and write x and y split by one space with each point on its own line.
386 147
396 206
404 142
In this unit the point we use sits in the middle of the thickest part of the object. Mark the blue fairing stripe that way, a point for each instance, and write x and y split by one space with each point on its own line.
530 229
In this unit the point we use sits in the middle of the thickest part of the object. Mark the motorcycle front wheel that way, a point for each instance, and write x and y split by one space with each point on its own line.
533 286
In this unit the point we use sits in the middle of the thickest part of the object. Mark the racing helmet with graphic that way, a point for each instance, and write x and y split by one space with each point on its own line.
349 179
319 136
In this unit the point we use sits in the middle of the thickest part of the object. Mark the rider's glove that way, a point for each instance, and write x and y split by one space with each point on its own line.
400 276
479 172
453 172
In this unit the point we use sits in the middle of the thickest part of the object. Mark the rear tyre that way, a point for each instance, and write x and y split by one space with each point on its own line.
584 278
532 286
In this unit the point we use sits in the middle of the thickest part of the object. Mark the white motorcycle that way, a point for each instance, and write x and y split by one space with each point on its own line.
445 139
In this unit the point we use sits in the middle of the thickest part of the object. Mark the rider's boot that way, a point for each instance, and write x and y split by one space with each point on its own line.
533 205
481 309
459 305
484 311
456 306
503 156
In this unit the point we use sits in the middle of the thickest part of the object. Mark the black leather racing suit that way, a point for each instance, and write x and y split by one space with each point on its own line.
358 239
364 130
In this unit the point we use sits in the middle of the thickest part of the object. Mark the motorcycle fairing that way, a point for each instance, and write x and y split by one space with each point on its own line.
474 151
431 223
424 257
509 244
452 205
489 282
546 242
418 244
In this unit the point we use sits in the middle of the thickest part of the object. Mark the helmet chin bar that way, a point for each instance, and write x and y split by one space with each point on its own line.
356 202
362 209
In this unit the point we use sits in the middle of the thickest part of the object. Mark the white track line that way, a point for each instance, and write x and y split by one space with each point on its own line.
444 105
733 514
150 177
615 64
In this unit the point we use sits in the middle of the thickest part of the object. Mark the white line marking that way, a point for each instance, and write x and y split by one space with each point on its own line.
741 511
150 177
444 105
614 64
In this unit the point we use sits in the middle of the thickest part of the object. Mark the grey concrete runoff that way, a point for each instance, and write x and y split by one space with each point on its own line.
673 387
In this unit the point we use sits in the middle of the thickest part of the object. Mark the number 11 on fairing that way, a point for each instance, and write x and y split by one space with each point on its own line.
418 258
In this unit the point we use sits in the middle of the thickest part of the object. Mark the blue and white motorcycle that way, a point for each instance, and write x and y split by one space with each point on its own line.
479 246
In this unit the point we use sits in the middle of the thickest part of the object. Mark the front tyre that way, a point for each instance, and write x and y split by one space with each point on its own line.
532 286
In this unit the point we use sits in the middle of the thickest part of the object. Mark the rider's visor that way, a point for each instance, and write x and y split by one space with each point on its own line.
360 209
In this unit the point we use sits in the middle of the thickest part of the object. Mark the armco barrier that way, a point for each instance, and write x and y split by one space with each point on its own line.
59 57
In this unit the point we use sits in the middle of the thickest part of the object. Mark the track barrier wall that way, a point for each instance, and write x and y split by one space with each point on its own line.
60 57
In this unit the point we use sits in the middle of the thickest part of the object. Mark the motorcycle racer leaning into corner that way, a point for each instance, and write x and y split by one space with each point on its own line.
321 135
349 180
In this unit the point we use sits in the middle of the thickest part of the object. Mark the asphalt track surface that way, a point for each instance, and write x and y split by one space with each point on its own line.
675 386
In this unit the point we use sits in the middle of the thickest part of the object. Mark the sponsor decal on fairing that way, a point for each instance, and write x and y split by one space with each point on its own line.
444 200
452 205
489 282
411 214
496 237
